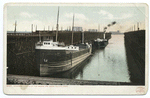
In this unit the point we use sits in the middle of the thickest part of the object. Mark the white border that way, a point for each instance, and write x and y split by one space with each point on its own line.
103 90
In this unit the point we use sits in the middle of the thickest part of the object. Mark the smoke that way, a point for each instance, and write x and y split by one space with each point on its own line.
109 25
105 28
113 23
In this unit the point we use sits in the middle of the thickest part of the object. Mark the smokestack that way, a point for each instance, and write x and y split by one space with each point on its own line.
72 29
57 26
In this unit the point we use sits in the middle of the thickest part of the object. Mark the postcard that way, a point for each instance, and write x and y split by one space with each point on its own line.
75 48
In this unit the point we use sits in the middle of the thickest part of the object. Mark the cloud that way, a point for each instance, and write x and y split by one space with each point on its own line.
77 16
126 15
27 15
108 15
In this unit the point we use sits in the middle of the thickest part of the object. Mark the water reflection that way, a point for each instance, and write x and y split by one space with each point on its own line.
107 64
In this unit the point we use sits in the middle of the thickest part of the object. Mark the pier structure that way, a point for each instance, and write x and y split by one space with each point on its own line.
21 52
135 52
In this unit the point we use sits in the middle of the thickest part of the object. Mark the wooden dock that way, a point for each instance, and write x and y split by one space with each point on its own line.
135 51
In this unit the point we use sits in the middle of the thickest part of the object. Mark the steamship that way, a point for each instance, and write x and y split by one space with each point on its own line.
100 43
54 57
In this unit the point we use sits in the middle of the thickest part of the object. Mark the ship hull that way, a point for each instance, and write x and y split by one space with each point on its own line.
51 61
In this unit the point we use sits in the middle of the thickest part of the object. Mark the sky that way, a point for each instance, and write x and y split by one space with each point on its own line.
87 17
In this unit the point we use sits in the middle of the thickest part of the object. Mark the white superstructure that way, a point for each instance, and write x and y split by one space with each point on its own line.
50 45
100 40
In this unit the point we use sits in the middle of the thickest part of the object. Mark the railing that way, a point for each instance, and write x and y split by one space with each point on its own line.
21 34
27 34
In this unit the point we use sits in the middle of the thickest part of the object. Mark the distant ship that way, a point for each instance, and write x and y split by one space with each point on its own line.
100 43
54 57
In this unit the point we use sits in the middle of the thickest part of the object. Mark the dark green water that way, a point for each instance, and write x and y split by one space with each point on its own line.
107 64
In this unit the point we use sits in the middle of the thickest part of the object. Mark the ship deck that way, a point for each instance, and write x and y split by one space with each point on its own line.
73 51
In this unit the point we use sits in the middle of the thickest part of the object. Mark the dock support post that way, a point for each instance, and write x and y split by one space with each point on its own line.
71 58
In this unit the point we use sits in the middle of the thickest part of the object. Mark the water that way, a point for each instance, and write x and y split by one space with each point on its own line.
107 64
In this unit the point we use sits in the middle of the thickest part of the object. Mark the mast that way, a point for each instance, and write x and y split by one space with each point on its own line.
138 26
48 28
32 28
82 37
39 37
57 24
15 26
72 29
36 28
98 27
